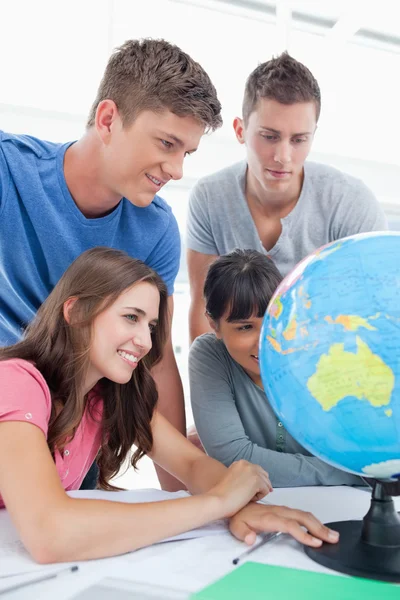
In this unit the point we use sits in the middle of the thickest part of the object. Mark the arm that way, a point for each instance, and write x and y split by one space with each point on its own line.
202 251
87 529
222 433
202 474
198 264
170 399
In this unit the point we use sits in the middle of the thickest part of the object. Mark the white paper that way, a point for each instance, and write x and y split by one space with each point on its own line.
199 562
14 558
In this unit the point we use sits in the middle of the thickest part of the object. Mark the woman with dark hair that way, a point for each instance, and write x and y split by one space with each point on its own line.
77 387
231 410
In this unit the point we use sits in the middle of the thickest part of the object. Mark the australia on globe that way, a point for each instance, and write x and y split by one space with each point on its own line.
330 354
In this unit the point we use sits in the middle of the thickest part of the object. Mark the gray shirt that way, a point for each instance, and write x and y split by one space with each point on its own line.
235 421
332 205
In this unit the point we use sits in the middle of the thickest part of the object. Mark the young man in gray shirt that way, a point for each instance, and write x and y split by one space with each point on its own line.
274 201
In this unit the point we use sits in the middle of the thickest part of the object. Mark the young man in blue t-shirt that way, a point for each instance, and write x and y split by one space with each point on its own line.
153 105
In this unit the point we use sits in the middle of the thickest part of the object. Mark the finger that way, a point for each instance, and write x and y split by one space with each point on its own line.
312 524
242 531
266 482
292 527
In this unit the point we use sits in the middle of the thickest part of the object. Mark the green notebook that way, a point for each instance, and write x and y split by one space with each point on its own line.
256 581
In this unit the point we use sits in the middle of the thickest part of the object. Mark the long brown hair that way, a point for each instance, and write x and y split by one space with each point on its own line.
60 351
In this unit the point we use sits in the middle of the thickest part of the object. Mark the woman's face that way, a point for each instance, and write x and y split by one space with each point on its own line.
241 341
122 334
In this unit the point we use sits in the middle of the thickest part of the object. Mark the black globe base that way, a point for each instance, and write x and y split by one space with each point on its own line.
354 557
368 548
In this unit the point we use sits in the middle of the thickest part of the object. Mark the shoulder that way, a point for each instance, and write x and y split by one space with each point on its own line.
152 223
231 175
325 177
158 213
12 144
22 375
208 347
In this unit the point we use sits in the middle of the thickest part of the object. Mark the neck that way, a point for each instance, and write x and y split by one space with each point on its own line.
270 203
84 175
256 379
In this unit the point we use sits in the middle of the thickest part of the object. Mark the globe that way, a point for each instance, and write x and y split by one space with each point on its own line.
330 354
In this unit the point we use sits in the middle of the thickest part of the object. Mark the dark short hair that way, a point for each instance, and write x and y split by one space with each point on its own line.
156 75
283 79
241 284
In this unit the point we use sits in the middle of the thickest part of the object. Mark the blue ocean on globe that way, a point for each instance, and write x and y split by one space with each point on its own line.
330 354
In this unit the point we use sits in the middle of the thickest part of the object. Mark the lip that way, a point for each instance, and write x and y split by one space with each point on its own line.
254 358
278 174
155 185
129 362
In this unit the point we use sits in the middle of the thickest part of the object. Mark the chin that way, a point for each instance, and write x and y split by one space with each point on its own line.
121 378
141 199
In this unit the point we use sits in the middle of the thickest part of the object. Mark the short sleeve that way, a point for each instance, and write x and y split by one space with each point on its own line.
165 257
25 395
366 213
199 235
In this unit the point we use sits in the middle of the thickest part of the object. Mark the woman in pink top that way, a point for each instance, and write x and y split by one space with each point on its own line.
79 387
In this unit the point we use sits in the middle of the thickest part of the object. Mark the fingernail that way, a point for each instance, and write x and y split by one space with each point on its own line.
317 542
333 535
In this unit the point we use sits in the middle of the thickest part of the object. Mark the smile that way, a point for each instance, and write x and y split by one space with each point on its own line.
129 358
154 180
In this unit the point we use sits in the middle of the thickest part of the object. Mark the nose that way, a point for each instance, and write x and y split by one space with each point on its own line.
174 167
142 338
283 153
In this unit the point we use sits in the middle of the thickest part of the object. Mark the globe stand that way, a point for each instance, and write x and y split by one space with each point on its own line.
368 548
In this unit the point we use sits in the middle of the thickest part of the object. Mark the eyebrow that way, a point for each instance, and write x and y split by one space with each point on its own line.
176 140
279 132
140 311
240 321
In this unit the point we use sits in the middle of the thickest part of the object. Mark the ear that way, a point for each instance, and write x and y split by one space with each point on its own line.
68 304
238 126
107 116
213 325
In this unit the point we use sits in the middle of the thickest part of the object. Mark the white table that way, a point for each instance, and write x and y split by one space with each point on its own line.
187 566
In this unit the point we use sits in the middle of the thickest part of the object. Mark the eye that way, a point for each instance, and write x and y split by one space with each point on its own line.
152 327
131 318
300 140
245 327
270 138
167 144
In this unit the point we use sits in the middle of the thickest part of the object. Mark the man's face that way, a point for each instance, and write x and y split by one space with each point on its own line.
278 138
141 158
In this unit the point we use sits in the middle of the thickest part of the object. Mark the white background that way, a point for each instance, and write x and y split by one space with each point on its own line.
53 54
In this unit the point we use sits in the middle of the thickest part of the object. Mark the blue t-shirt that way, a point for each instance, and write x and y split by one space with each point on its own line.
42 230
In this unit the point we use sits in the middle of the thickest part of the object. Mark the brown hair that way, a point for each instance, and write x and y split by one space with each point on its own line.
283 79
60 351
156 75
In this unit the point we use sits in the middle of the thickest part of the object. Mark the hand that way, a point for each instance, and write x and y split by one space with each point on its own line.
193 438
243 482
255 518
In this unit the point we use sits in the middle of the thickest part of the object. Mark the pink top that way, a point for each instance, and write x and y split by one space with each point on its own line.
25 396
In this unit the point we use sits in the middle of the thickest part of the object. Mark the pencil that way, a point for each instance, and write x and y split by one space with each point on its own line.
267 537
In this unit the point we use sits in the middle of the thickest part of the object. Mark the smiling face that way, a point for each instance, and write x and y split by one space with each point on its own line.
121 334
139 159
278 138
241 340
